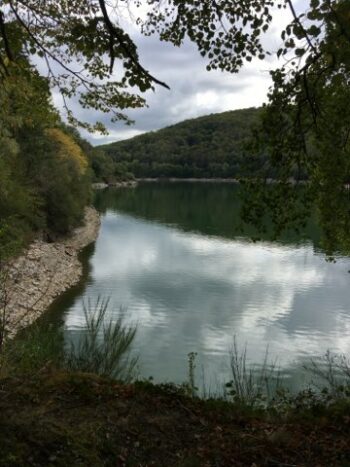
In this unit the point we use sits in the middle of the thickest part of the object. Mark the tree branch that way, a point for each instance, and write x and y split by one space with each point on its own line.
297 20
4 36
115 34
44 49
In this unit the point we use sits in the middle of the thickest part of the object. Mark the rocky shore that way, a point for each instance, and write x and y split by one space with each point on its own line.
188 180
120 184
44 272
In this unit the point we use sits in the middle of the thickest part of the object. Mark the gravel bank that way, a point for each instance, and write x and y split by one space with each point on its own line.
44 272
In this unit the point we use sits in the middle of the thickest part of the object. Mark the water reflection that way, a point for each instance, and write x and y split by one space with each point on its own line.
193 292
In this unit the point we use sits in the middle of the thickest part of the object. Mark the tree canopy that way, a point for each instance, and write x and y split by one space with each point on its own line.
307 124
80 41
44 173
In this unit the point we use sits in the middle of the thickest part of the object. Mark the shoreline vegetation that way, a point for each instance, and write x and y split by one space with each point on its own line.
236 181
188 180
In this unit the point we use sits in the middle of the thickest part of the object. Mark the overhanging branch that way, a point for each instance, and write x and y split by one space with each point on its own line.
5 38
116 35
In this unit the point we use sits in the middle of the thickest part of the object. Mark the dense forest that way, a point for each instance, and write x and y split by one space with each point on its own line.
210 146
43 171
46 168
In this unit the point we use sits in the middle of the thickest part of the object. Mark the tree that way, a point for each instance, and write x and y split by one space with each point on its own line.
305 128
44 182
302 123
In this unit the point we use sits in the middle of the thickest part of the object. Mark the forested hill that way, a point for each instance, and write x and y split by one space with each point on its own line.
210 146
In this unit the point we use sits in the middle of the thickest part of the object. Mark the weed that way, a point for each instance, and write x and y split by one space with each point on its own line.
332 373
251 386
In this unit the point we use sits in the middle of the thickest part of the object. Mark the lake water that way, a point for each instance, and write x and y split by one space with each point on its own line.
172 260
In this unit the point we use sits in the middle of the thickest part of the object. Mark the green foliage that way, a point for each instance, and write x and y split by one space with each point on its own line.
58 180
18 204
211 146
32 349
87 33
105 346
44 179
305 127
104 349
215 28
102 168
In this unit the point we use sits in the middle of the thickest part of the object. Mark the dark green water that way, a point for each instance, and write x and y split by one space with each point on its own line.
173 257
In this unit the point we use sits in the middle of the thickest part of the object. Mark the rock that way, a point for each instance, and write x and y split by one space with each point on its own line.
45 271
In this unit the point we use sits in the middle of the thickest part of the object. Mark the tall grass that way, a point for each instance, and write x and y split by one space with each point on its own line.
252 385
331 372
263 386
104 347
32 349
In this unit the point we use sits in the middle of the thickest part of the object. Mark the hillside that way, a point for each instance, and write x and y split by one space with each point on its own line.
210 146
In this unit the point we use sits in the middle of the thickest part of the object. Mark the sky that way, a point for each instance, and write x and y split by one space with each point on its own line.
193 90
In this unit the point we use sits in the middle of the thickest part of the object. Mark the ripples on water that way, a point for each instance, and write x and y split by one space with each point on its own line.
195 292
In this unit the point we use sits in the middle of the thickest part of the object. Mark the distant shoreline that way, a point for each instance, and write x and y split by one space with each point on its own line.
189 180
269 181
136 181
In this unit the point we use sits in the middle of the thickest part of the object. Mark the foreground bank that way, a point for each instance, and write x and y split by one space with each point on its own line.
44 271
61 419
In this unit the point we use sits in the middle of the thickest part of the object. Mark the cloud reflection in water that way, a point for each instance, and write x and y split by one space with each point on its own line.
189 292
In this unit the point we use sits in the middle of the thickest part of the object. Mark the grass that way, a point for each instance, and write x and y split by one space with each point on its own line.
31 350
104 347
263 388
252 386
332 372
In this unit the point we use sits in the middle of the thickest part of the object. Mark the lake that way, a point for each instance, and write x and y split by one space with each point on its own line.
173 260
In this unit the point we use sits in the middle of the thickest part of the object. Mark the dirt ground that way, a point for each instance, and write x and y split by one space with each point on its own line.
60 419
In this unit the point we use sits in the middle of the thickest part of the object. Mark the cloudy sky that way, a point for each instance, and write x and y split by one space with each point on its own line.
194 91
